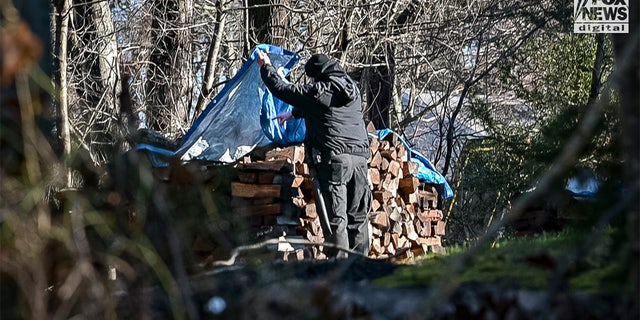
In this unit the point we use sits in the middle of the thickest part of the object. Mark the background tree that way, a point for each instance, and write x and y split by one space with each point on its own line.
169 74
514 153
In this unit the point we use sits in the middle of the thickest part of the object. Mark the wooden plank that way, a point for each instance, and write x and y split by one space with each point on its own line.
394 239
371 128
374 174
380 219
274 165
302 169
384 164
410 168
247 177
261 201
389 154
294 153
375 205
439 228
382 195
248 190
376 160
374 145
408 185
430 241
390 184
310 211
395 168
258 210
376 246
401 150
297 181
429 215
269 177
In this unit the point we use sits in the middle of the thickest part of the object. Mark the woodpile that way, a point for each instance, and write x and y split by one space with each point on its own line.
405 218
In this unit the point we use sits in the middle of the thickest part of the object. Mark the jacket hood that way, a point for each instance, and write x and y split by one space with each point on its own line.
321 67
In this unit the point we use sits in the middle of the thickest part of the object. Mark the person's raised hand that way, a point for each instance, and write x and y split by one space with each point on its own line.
263 58
283 117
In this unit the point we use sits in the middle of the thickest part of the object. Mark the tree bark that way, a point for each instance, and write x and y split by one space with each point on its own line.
380 89
169 86
268 22
65 134
596 72
212 59
107 53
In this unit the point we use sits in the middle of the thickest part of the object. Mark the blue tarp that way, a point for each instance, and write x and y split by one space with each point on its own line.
427 173
229 128
585 185
238 119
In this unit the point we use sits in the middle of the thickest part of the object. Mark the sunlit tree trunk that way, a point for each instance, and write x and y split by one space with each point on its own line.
65 135
107 54
268 22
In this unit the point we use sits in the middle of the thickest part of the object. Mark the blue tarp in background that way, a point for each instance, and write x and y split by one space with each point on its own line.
238 119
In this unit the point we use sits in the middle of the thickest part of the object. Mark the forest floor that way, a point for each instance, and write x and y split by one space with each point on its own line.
506 282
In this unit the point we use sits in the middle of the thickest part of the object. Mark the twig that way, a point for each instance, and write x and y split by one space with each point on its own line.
236 251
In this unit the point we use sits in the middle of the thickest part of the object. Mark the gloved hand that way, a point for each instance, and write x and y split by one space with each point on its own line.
283 117
263 58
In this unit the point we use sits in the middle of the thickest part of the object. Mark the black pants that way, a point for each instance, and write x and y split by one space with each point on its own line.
345 186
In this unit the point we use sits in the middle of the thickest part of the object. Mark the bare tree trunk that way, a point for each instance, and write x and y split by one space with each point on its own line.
169 88
212 59
596 72
65 135
246 43
451 128
380 89
268 21
107 53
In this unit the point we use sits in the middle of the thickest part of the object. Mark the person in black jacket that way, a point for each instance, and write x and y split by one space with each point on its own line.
336 142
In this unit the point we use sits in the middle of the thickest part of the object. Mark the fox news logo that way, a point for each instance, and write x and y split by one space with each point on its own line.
600 16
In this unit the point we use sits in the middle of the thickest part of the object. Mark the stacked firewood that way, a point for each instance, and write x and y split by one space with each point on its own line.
405 219
405 215
257 193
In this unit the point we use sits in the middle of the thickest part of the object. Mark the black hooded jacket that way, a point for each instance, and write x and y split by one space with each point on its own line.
331 107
